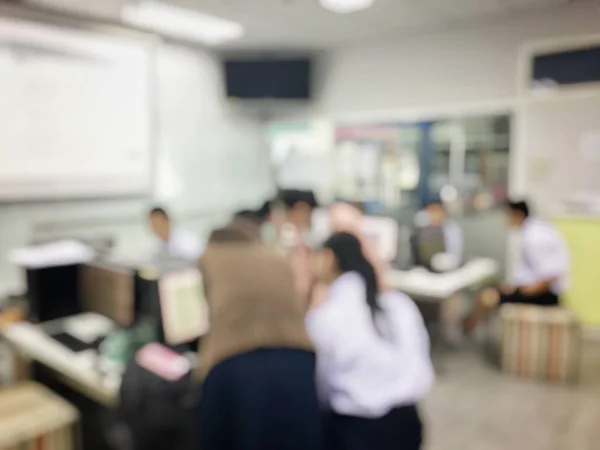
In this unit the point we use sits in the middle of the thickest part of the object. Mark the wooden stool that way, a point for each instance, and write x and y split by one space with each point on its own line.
31 416
540 343
10 315
12 367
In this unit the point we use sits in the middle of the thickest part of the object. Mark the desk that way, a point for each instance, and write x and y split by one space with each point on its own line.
77 370
430 291
435 287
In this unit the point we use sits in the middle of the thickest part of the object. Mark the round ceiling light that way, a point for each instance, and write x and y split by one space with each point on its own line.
346 6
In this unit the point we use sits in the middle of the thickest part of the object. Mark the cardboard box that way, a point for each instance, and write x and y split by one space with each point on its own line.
32 417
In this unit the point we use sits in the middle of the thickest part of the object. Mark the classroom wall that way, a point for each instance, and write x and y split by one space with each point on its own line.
466 70
583 238
472 63
191 110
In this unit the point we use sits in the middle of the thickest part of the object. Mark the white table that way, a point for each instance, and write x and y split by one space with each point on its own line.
78 370
431 291
419 282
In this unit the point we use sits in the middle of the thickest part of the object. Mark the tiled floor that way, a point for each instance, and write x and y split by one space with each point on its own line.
475 407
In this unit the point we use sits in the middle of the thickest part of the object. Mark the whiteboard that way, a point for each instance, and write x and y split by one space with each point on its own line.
210 155
74 114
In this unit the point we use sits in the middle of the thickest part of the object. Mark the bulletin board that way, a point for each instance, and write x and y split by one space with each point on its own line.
561 137
366 163
301 157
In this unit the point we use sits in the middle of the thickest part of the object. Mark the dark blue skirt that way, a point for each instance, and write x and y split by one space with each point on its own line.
400 429
262 400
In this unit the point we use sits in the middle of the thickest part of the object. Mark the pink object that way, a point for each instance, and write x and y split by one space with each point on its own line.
162 361
345 218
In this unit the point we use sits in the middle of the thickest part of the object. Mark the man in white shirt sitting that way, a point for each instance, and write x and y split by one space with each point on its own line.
177 243
540 275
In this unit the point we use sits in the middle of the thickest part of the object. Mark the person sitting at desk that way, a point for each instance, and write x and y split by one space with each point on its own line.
453 236
540 274
177 243
373 362
264 218
298 207
257 362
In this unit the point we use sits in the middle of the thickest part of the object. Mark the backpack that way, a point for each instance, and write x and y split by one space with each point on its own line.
154 413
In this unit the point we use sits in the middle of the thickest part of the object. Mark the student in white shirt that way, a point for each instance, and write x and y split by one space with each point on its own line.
297 208
373 361
540 275
177 243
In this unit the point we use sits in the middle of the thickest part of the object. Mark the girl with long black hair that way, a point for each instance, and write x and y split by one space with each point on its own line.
373 362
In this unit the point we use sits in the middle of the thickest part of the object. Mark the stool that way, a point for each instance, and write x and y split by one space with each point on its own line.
31 416
540 343
11 366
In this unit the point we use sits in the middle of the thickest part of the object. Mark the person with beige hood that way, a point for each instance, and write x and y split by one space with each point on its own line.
257 363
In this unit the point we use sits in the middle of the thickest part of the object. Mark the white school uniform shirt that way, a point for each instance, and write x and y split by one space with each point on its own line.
359 372
183 245
543 256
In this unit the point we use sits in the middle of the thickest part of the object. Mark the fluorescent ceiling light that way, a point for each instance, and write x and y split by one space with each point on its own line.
182 23
346 6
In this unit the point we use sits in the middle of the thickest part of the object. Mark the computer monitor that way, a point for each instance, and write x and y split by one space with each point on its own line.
383 232
183 306
426 243
108 290
53 292
172 299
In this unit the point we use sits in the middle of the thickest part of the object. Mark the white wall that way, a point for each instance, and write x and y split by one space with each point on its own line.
471 63
191 111
466 70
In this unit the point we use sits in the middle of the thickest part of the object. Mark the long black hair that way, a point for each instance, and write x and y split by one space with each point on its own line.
349 257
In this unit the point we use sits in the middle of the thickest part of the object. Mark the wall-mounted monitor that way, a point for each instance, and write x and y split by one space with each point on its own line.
264 79
568 67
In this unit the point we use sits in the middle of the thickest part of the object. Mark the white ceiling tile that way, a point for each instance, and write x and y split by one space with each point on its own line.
534 3
101 8
462 9
304 24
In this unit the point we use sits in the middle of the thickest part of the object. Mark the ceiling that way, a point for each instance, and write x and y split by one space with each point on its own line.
304 24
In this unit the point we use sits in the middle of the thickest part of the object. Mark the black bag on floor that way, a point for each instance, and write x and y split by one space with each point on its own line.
154 413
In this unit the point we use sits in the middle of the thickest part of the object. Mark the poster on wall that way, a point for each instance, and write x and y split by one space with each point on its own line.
298 157
365 164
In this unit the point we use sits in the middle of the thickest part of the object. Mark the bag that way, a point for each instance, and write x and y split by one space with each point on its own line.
154 413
